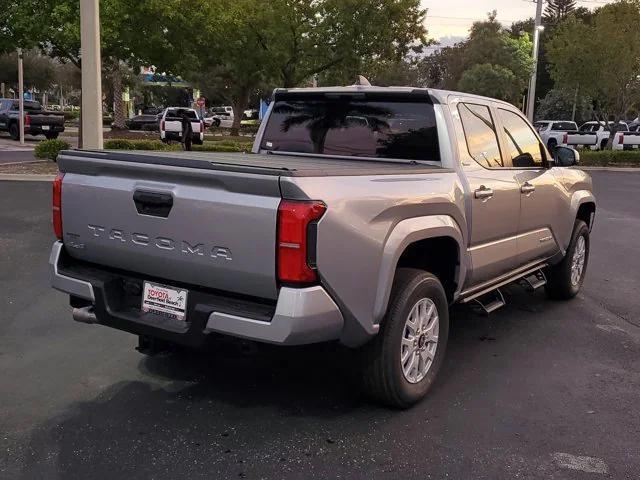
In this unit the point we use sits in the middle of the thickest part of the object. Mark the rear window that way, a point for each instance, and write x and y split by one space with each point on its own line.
179 112
354 127
590 127
29 106
564 126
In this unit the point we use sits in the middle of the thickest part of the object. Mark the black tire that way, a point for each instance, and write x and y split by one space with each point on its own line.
603 144
14 131
51 136
216 122
552 144
559 283
383 378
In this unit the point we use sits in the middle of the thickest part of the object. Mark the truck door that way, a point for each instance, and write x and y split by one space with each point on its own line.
541 201
493 203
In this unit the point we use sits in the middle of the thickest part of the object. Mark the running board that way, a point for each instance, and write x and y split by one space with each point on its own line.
481 290
534 281
490 302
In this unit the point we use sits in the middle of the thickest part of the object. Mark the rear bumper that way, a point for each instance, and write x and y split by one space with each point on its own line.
100 295
38 130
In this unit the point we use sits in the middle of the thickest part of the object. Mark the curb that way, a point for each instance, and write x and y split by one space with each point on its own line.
27 177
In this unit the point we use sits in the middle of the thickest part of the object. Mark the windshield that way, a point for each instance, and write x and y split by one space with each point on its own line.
354 127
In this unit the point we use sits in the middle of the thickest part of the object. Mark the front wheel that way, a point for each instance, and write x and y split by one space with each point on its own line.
401 363
565 279
14 131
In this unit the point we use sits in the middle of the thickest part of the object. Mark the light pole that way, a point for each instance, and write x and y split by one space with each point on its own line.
531 98
91 112
21 96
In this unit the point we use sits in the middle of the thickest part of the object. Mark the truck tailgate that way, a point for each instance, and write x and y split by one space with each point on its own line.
175 223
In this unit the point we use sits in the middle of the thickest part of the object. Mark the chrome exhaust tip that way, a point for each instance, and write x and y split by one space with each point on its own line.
85 315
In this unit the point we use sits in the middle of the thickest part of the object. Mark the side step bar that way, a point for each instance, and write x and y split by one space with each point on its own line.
490 302
490 298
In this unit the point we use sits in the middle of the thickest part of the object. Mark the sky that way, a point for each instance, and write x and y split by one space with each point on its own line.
449 20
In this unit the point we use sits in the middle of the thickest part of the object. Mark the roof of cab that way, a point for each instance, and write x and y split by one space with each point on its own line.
439 96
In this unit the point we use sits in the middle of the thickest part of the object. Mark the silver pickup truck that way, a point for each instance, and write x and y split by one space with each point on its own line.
361 215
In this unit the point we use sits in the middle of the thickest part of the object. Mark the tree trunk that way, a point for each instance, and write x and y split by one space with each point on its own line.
239 105
118 106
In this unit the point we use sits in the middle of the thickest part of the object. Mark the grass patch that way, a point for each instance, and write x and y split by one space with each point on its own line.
610 158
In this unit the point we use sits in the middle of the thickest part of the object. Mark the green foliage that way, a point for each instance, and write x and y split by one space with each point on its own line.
601 58
557 10
558 105
489 80
610 158
50 148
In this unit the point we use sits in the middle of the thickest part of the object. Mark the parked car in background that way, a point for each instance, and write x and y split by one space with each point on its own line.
219 117
145 121
171 125
553 132
37 121
362 214
628 140
602 133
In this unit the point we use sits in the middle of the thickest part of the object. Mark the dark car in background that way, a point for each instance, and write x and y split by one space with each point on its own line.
37 121
149 120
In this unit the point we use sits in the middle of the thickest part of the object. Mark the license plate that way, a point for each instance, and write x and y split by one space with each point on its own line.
163 300
45 127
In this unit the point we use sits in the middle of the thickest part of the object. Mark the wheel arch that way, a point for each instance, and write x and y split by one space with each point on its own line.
583 207
404 247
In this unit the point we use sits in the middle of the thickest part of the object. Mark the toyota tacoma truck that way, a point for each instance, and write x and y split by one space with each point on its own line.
360 216
37 121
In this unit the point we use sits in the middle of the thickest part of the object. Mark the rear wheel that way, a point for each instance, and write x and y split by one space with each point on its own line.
14 131
603 144
565 279
401 363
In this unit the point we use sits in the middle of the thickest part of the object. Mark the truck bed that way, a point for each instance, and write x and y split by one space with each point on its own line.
273 164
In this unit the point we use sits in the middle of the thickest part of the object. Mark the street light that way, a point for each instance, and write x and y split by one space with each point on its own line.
91 113
531 98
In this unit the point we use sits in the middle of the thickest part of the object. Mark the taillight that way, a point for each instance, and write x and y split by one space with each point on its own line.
201 126
296 240
162 125
27 120
621 139
565 138
57 205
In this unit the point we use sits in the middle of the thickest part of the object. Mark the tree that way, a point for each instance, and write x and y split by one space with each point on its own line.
490 80
601 59
558 10
560 104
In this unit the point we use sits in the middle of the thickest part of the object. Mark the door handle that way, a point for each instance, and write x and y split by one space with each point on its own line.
527 188
156 204
483 193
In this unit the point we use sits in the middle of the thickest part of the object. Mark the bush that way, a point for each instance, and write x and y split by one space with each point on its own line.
610 158
50 149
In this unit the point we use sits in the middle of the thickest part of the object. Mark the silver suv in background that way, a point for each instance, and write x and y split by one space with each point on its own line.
361 215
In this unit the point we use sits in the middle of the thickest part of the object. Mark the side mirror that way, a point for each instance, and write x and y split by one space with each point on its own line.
566 157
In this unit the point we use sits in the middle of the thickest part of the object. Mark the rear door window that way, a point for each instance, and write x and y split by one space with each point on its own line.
354 126
480 135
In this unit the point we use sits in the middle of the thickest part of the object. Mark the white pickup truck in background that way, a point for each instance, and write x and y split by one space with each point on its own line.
602 133
627 140
553 132
171 125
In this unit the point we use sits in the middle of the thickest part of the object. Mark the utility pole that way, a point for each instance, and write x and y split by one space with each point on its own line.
21 96
91 113
531 99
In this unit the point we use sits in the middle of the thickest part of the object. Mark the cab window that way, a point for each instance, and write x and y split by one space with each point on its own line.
480 135
523 147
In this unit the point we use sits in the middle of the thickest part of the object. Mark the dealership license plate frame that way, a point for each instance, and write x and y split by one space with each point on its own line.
172 305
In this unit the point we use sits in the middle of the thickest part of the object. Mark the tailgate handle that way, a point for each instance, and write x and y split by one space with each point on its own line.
153 203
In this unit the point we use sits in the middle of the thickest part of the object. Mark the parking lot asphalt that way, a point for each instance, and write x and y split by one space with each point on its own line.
539 389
